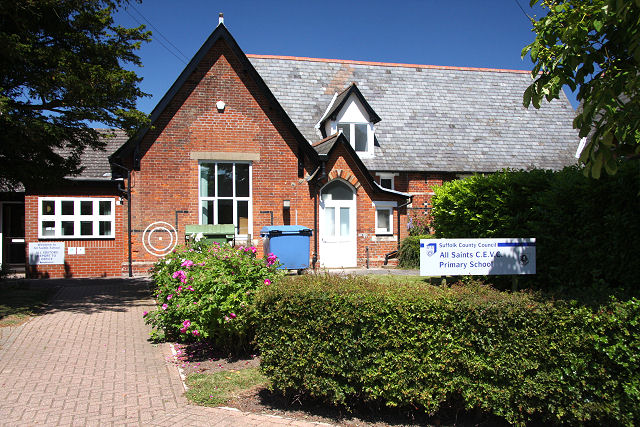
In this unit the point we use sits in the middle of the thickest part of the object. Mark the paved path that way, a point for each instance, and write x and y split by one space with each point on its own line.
87 361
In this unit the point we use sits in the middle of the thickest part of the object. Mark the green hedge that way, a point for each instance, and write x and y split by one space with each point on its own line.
507 354
409 253
587 230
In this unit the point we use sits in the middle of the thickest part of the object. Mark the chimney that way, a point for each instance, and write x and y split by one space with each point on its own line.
220 18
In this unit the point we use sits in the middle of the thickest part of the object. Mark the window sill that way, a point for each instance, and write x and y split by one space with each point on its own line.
383 238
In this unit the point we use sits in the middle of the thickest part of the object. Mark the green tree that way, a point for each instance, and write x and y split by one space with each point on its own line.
592 46
62 66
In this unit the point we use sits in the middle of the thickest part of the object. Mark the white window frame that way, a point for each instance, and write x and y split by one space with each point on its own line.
57 218
235 198
388 207
352 132
391 176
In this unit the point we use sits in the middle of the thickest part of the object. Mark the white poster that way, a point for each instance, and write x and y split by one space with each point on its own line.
477 257
42 253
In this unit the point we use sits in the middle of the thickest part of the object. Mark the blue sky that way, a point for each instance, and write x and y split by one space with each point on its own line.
488 34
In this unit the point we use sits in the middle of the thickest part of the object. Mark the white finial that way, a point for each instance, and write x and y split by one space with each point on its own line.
220 18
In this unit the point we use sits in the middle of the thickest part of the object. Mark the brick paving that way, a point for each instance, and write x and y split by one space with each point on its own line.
88 361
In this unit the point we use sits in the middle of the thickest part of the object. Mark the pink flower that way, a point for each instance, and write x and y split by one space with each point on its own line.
201 263
232 315
226 318
169 296
144 313
180 274
183 330
186 323
195 332
164 306
267 282
271 259
187 263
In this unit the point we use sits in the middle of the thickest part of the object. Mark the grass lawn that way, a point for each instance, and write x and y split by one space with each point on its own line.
18 302
218 388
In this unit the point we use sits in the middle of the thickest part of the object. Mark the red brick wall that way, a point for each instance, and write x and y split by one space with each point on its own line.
168 178
102 257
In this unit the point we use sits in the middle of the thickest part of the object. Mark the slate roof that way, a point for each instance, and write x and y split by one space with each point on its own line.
432 118
323 146
96 162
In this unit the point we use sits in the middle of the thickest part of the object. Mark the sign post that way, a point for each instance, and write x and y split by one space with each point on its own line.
477 257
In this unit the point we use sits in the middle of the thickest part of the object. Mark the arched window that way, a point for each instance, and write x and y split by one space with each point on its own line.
337 190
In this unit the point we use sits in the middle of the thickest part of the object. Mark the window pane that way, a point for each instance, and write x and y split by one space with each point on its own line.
225 211
67 207
207 180
242 180
104 228
67 228
344 221
337 190
48 207
86 228
383 219
104 208
225 181
207 212
48 228
86 207
361 137
346 129
386 183
243 217
329 221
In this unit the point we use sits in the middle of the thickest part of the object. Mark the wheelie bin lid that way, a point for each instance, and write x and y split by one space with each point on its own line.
278 230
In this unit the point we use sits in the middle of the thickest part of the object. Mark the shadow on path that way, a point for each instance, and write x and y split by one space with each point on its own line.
95 295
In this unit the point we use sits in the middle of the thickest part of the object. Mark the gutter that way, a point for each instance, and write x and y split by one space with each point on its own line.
128 191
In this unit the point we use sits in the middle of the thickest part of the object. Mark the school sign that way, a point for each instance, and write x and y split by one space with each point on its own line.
477 257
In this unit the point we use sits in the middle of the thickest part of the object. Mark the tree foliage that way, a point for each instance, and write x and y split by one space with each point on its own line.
592 46
63 65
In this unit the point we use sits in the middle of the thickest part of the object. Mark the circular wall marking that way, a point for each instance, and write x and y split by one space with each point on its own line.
159 238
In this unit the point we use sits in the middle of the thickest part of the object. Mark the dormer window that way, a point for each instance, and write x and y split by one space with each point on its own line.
350 113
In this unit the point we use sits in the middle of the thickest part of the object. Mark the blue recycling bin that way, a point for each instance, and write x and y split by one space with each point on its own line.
290 243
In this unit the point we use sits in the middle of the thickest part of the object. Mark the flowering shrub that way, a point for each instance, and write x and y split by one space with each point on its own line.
419 224
204 292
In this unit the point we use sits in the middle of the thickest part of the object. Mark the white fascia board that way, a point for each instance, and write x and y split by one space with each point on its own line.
387 190
335 95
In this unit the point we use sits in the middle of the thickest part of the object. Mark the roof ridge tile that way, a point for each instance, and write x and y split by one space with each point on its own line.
387 64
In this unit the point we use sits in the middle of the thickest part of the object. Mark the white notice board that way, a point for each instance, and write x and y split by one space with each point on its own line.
42 253
477 257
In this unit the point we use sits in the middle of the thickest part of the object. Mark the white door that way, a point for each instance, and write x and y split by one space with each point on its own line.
338 246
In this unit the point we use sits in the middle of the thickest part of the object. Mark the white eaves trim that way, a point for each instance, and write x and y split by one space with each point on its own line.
583 143
324 115
388 190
